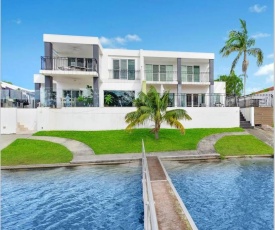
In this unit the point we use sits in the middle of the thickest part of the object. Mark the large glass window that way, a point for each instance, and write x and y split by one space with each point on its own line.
196 74
117 98
149 72
131 69
190 73
124 69
159 72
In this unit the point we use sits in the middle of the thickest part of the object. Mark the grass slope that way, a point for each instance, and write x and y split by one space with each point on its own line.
242 145
26 151
120 141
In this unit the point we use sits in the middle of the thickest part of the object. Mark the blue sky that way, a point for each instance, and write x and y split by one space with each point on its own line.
176 25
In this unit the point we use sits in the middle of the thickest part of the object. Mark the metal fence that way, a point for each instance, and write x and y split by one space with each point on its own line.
150 217
254 100
68 64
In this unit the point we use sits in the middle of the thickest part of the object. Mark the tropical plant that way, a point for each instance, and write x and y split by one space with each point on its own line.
108 99
152 106
238 41
234 84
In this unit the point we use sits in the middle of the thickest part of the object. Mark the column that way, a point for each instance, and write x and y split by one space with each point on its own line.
179 82
48 90
48 53
37 94
211 80
96 79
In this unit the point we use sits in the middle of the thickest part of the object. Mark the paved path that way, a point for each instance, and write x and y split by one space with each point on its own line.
81 152
168 209
266 134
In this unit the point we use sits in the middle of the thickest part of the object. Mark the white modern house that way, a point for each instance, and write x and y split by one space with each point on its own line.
77 71
82 86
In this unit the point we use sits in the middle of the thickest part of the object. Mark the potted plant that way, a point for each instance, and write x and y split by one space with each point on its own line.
80 101
108 99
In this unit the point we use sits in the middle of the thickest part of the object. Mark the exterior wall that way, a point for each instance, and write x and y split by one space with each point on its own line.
219 87
8 120
264 116
248 114
27 118
109 118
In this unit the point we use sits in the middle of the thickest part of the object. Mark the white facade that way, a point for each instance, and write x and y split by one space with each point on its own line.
71 63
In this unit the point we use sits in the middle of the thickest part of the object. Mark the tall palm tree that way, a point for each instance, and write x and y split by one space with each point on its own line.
238 41
153 106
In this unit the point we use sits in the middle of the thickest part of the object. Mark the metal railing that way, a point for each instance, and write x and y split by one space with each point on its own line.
254 100
170 76
68 64
124 74
150 217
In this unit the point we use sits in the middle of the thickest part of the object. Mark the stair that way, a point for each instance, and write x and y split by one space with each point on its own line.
245 124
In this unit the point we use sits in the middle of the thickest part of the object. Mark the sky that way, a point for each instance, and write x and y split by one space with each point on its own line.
166 25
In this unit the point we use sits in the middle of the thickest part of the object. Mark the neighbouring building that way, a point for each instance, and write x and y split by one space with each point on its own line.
77 71
15 96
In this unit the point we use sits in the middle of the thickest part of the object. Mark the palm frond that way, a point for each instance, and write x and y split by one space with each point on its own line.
258 53
175 123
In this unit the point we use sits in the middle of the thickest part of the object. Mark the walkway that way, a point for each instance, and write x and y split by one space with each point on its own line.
168 209
265 134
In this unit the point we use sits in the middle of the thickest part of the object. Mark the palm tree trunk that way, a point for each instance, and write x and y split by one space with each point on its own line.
156 134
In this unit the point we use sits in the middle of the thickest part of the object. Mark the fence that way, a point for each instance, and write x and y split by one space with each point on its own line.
254 100
150 217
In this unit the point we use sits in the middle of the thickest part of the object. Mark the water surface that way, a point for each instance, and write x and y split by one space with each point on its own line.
229 194
87 197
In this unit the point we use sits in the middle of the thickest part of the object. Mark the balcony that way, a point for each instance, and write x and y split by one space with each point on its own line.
69 64
171 76
124 74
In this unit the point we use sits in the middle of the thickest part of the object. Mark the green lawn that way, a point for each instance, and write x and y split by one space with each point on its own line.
26 152
242 145
120 141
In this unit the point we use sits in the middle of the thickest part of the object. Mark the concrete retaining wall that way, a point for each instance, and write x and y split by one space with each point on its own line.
106 118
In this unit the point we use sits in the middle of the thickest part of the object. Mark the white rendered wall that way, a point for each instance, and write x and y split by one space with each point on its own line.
27 118
109 118
113 118
8 120
248 114
219 87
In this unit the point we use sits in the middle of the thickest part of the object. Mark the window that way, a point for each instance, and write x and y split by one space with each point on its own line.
116 98
124 69
171 100
159 72
81 62
190 73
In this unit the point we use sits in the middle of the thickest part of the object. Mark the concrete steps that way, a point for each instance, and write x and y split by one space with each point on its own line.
244 123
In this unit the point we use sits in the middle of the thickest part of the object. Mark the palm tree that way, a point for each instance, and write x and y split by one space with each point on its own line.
238 41
152 106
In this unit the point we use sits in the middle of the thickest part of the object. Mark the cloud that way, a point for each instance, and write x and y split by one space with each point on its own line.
260 35
267 71
257 8
17 21
118 41
270 56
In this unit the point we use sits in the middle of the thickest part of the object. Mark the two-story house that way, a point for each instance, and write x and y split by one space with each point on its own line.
78 71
